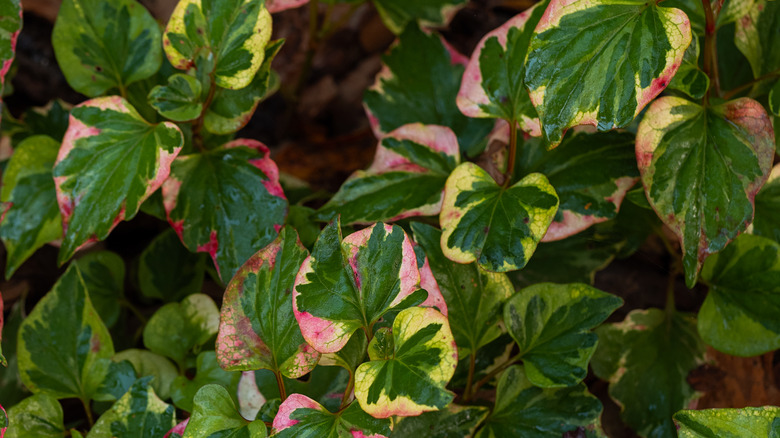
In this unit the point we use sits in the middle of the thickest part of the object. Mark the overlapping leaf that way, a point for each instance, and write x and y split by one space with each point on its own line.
145 363
682 148
3 421
325 385
757 36
406 179
493 84
647 358
230 34
418 84
690 79
139 413
11 386
409 367
226 202
300 416
215 414
600 62
162 257
179 100
454 421
523 409
105 45
30 217
768 208
396 14
551 324
347 285
38 416
11 11
104 275
495 226
110 161
729 423
207 371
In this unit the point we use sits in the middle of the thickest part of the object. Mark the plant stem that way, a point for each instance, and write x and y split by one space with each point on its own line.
470 380
347 392
510 165
280 383
710 66
743 87
495 372
197 125
125 302
90 419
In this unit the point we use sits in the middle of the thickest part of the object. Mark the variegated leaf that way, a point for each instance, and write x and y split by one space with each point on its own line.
11 11
757 36
145 363
139 413
729 423
230 34
3 416
164 255
690 79
396 14
179 100
406 179
599 62
257 328
207 372
348 285
226 202
454 421
681 148
104 275
38 416
768 207
495 226
110 161
301 417
215 414
410 367
11 386
104 46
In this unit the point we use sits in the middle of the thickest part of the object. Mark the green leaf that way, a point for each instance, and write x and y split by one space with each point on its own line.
347 285
226 202
646 359
738 316
105 45
183 389
475 297
767 201
350 356
406 179
729 423
104 274
179 100
231 34
62 342
176 328
110 161
139 413
418 84
257 328
164 256
300 416
551 324
689 78
145 363
681 148
38 416
452 422
396 14
325 385
113 378
774 99
31 216
3 421
11 11
493 84
497 227
600 62
413 380
757 36
215 415
524 410
10 382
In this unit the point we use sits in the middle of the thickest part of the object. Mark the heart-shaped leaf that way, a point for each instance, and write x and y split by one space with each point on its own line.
104 274
493 84
729 423
30 217
689 78
226 202
406 179
110 161
230 34
257 328
105 45
145 363
138 413
418 84
646 359
300 416
681 148
454 421
497 227
525 410
164 255
38 416
768 207
11 11
179 100
215 414
600 62
183 389
396 14
420 345
349 284
757 37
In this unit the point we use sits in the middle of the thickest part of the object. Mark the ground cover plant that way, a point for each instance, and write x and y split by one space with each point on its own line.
444 291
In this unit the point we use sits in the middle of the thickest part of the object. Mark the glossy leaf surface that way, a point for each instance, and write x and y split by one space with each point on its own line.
600 62
110 161
451 422
729 423
396 14
179 100
689 78
757 35
226 202
105 45
31 217
646 359
165 255
420 362
139 413
768 208
349 284
406 179
215 414
300 416
38 416
681 148
145 363
551 324
497 227
104 275
207 371
523 409
231 34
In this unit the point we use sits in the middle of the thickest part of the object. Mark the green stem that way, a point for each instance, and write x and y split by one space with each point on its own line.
510 165
280 383
496 371
470 380
87 409
197 125
710 67
348 392
135 311
731 93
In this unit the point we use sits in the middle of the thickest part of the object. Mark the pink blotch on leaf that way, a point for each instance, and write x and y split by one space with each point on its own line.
211 248
265 164
179 429
428 282
2 430
294 401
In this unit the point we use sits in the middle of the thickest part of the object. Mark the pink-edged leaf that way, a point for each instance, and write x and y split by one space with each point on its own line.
110 161
10 26
177 430
406 179
257 329
349 284
274 6
428 282
226 202
301 416
3 415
